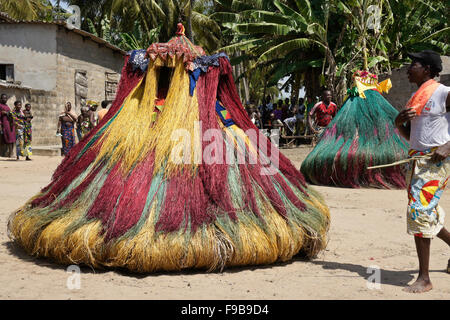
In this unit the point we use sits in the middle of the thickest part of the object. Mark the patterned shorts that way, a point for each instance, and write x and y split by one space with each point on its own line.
426 181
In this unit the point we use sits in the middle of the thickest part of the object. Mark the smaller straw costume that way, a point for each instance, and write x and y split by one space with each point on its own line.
361 135
119 198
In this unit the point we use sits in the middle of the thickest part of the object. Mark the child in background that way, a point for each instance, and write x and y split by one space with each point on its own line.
27 129
84 122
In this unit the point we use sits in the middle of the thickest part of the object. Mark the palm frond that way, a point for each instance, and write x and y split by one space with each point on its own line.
263 28
290 45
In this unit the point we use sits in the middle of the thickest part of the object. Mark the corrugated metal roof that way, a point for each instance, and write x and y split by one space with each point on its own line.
5 19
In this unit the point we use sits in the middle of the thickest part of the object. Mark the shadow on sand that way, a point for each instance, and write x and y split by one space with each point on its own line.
16 250
391 277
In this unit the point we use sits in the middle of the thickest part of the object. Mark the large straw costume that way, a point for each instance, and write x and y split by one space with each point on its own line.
118 200
361 135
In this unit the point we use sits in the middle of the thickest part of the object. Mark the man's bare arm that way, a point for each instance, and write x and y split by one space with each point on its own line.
310 117
443 151
405 116
447 103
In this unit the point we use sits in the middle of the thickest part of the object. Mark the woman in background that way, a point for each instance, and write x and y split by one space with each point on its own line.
66 128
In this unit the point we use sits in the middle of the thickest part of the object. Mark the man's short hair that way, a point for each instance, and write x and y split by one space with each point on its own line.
428 58
16 103
104 104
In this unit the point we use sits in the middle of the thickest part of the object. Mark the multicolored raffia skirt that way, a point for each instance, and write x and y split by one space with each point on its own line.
194 187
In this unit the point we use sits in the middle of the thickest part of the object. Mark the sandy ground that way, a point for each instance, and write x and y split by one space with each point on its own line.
367 229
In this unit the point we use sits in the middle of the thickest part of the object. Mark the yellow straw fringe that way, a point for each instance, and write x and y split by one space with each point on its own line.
180 114
133 134
210 247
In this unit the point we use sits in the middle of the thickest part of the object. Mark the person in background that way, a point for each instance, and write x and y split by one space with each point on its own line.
248 108
7 126
27 129
290 103
274 126
255 116
310 103
278 112
266 108
19 123
285 113
93 112
66 128
262 105
291 121
324 111
301 117
103 111
269 104
301 106
84 122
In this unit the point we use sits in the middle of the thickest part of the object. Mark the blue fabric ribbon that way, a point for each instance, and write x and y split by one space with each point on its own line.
193 77
138 60
201 64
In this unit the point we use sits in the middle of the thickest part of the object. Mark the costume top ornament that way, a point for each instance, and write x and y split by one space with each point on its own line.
364 80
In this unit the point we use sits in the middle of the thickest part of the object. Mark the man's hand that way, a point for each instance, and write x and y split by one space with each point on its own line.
404 116
441 153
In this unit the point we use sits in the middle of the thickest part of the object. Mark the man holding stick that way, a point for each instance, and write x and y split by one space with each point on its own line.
425 122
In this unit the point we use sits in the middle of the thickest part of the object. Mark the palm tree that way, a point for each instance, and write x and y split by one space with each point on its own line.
151 16
286 42
166 14
27 9
305 39
421 25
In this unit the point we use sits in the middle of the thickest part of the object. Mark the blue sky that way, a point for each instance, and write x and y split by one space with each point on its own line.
62 4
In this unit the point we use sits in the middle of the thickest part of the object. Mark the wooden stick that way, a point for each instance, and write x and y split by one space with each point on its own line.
427 156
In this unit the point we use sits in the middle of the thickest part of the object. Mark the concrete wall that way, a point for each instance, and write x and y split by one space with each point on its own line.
32 50
45 58
45 113
402 89
76 53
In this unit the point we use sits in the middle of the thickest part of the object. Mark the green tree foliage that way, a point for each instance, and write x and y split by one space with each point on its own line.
323 42
312 43
136 21
27 9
